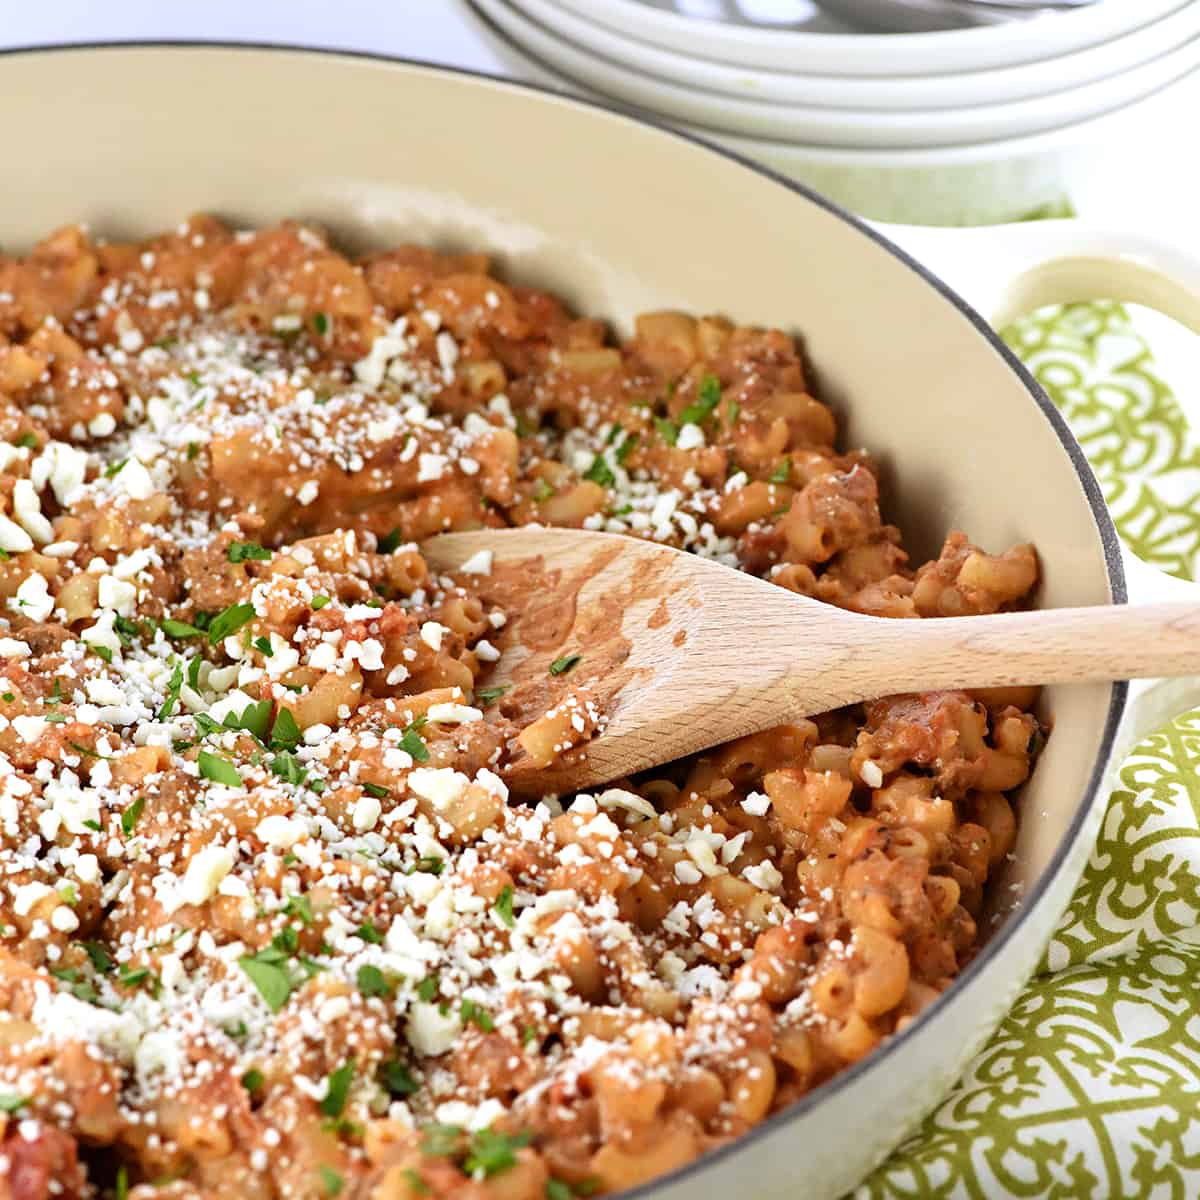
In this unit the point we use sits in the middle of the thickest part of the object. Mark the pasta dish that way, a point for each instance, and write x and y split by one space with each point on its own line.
271 924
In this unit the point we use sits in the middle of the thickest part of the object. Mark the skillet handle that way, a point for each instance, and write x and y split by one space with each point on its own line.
1005 271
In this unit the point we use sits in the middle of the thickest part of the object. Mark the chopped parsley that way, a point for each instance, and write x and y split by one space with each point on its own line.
179 629
397 1079
238 552
626 448
331 1180
413 744
263 646
267 970
80 988
473 1014
369 933
255 720
129 818
487 696
10 1102
542 491
375 789
372 981
100 957
319 602
492 1152
114 469
299 907
8 697
441 1141
337 1090
285 733
27 441
101 652
782 473
668 430
430 864
708 396
253 1079
600 472
219 769
389 542
320 323
504 906
286 766
427 988
88 752
174 687
559 1189
229 622
568 662
414 1180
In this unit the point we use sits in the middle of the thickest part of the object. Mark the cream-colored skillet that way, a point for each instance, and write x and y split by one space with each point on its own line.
620 216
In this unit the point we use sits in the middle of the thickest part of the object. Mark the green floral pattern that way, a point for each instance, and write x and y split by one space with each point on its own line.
1091 1086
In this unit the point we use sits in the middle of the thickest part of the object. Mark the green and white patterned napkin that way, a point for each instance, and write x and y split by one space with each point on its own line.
1090 1089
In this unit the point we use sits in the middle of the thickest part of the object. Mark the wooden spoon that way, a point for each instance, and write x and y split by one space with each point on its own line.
680 654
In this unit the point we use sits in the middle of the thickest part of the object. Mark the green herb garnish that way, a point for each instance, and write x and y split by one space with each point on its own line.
179 629
397 1079
472 1014
568 662
237 552
129 818
504 906
229 622
337 1090
441 1141
390 541
492 1152
782 473
372 981
174 687
600 472
266 970
708 396
286 766
413 744
219 769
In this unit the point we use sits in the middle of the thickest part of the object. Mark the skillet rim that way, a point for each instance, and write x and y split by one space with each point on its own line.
1109 539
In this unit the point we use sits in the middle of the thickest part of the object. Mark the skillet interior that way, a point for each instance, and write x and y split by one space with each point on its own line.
619 217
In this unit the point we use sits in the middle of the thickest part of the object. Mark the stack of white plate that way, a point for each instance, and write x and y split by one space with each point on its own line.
977 124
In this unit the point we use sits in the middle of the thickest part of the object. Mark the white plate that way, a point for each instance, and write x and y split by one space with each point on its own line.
835 91
873 54
843 128
1085 165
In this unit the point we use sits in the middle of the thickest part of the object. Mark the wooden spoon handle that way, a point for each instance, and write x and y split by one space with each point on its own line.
1064 645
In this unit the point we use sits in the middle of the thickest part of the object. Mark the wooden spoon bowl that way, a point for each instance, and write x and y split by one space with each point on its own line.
677 653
